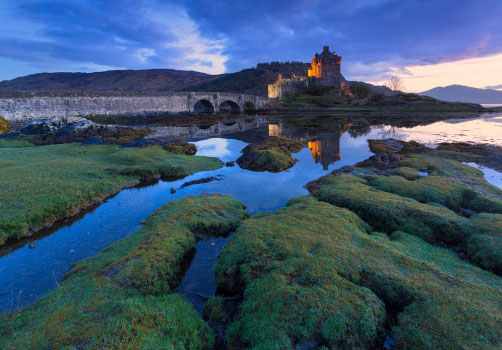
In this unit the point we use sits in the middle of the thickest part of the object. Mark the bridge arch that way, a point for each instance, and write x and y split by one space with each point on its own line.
203 106
249 107
229 107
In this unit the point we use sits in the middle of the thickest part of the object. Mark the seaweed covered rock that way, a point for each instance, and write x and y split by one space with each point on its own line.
294 292
4 126
274 155
396 146
450 182
123 298
484 247
180 147
311 274
72 129
388 212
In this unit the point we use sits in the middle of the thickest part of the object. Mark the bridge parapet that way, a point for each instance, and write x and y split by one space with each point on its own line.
16 106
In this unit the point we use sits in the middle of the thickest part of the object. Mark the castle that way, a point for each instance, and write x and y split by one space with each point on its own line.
325 70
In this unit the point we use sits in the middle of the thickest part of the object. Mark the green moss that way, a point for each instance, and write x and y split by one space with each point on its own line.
292 291
389 212
214 308
14 143
451 183
406 172
485 246
46 183
96 308
311 272
4 126
272 155
153 265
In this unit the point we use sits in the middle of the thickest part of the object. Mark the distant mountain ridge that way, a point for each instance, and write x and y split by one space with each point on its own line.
461 93
159 80
252 81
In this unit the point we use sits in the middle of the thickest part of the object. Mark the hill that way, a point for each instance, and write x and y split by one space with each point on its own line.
250 81
460 93
159 80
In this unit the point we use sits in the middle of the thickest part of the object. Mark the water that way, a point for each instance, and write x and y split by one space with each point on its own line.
491 175
28 274
489 105
485 129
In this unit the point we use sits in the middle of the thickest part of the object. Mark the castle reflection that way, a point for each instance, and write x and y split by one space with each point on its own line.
325 146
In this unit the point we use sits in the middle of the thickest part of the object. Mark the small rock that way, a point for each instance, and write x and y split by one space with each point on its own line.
230 163
173 190
32 245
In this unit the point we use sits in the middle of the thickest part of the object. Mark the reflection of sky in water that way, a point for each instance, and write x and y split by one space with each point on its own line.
214 147
487 129
491 175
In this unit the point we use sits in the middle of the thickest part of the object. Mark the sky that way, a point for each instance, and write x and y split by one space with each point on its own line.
427 43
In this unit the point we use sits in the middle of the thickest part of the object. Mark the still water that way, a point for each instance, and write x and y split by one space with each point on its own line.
28 274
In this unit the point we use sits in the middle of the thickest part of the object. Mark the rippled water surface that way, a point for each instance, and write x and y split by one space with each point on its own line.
27 274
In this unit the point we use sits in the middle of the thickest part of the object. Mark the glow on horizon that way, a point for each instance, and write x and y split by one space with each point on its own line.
476 72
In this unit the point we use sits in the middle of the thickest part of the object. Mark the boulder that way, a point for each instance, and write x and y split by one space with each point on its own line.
272 155
181 147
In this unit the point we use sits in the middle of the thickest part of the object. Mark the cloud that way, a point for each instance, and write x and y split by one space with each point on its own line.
144 53
57 35
375 37
494 87
475 72
195 52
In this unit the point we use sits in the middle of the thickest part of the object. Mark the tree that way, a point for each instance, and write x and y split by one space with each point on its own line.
395 83
360 90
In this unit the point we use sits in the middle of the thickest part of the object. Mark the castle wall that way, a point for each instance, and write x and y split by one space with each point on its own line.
284 88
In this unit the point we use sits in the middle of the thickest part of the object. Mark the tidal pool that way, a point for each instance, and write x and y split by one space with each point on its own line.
28 274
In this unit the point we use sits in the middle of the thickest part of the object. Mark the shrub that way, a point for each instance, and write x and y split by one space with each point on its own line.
360 89
4 126
377 97
326 101
318 90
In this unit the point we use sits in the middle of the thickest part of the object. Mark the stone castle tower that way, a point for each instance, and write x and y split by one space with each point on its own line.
326 67
325 70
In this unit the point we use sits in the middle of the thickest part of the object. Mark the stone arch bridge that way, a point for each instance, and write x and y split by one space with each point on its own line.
22 106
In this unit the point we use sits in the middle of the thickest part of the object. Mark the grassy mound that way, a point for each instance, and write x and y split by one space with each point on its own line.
106 301
40 185
311 276
180 147
388 202
389 212
485 246
4 126
272 155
